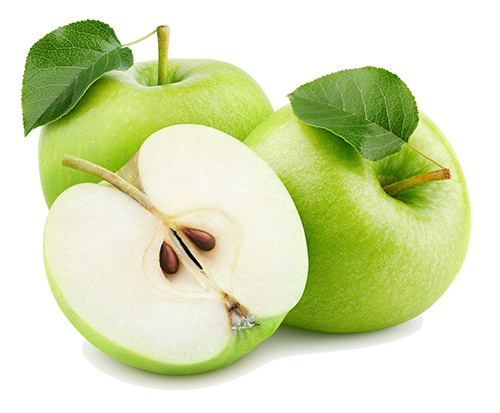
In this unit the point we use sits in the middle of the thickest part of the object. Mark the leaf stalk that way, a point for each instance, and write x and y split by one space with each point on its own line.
139 40
425 156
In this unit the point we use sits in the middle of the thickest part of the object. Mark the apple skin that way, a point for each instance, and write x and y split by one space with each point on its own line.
121 109
375 261
242 342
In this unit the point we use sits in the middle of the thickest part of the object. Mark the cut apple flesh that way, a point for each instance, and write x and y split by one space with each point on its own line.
102 254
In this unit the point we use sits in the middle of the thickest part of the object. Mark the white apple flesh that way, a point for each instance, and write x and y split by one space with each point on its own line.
102 248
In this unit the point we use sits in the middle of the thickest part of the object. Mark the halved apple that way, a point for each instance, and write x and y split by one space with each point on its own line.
195 258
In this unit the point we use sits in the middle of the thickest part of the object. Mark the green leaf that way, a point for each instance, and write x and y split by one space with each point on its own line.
370 108
62 65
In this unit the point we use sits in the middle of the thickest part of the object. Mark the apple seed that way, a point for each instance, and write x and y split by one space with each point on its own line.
202 239
169 262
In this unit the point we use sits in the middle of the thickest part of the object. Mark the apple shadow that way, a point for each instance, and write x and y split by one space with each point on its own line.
293 340
287 341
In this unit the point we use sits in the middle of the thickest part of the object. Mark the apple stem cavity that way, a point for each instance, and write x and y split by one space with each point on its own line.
163 33
439 175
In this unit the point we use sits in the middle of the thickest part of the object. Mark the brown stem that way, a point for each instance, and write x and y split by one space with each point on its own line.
438 175
163 33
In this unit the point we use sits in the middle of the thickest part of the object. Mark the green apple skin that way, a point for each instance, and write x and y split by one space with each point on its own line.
121 109
242 341
375 261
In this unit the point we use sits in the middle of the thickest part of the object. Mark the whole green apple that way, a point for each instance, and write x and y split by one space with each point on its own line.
374 260
120 110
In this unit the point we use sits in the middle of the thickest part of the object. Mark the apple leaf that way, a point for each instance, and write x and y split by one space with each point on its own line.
61 66
370 108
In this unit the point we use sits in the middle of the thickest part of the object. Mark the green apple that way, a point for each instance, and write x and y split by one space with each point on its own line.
192 257
374 260
120 110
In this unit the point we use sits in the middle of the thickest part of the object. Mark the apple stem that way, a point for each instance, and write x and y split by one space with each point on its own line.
438 175
163 33
425 156
116 181
172 228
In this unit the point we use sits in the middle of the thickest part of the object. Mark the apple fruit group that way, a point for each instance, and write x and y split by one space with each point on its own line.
121 109
374 260
191 257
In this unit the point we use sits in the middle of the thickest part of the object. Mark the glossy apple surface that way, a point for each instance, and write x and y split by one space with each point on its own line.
120 110
374 260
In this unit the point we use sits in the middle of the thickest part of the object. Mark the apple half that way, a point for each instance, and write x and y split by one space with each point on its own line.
194 261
